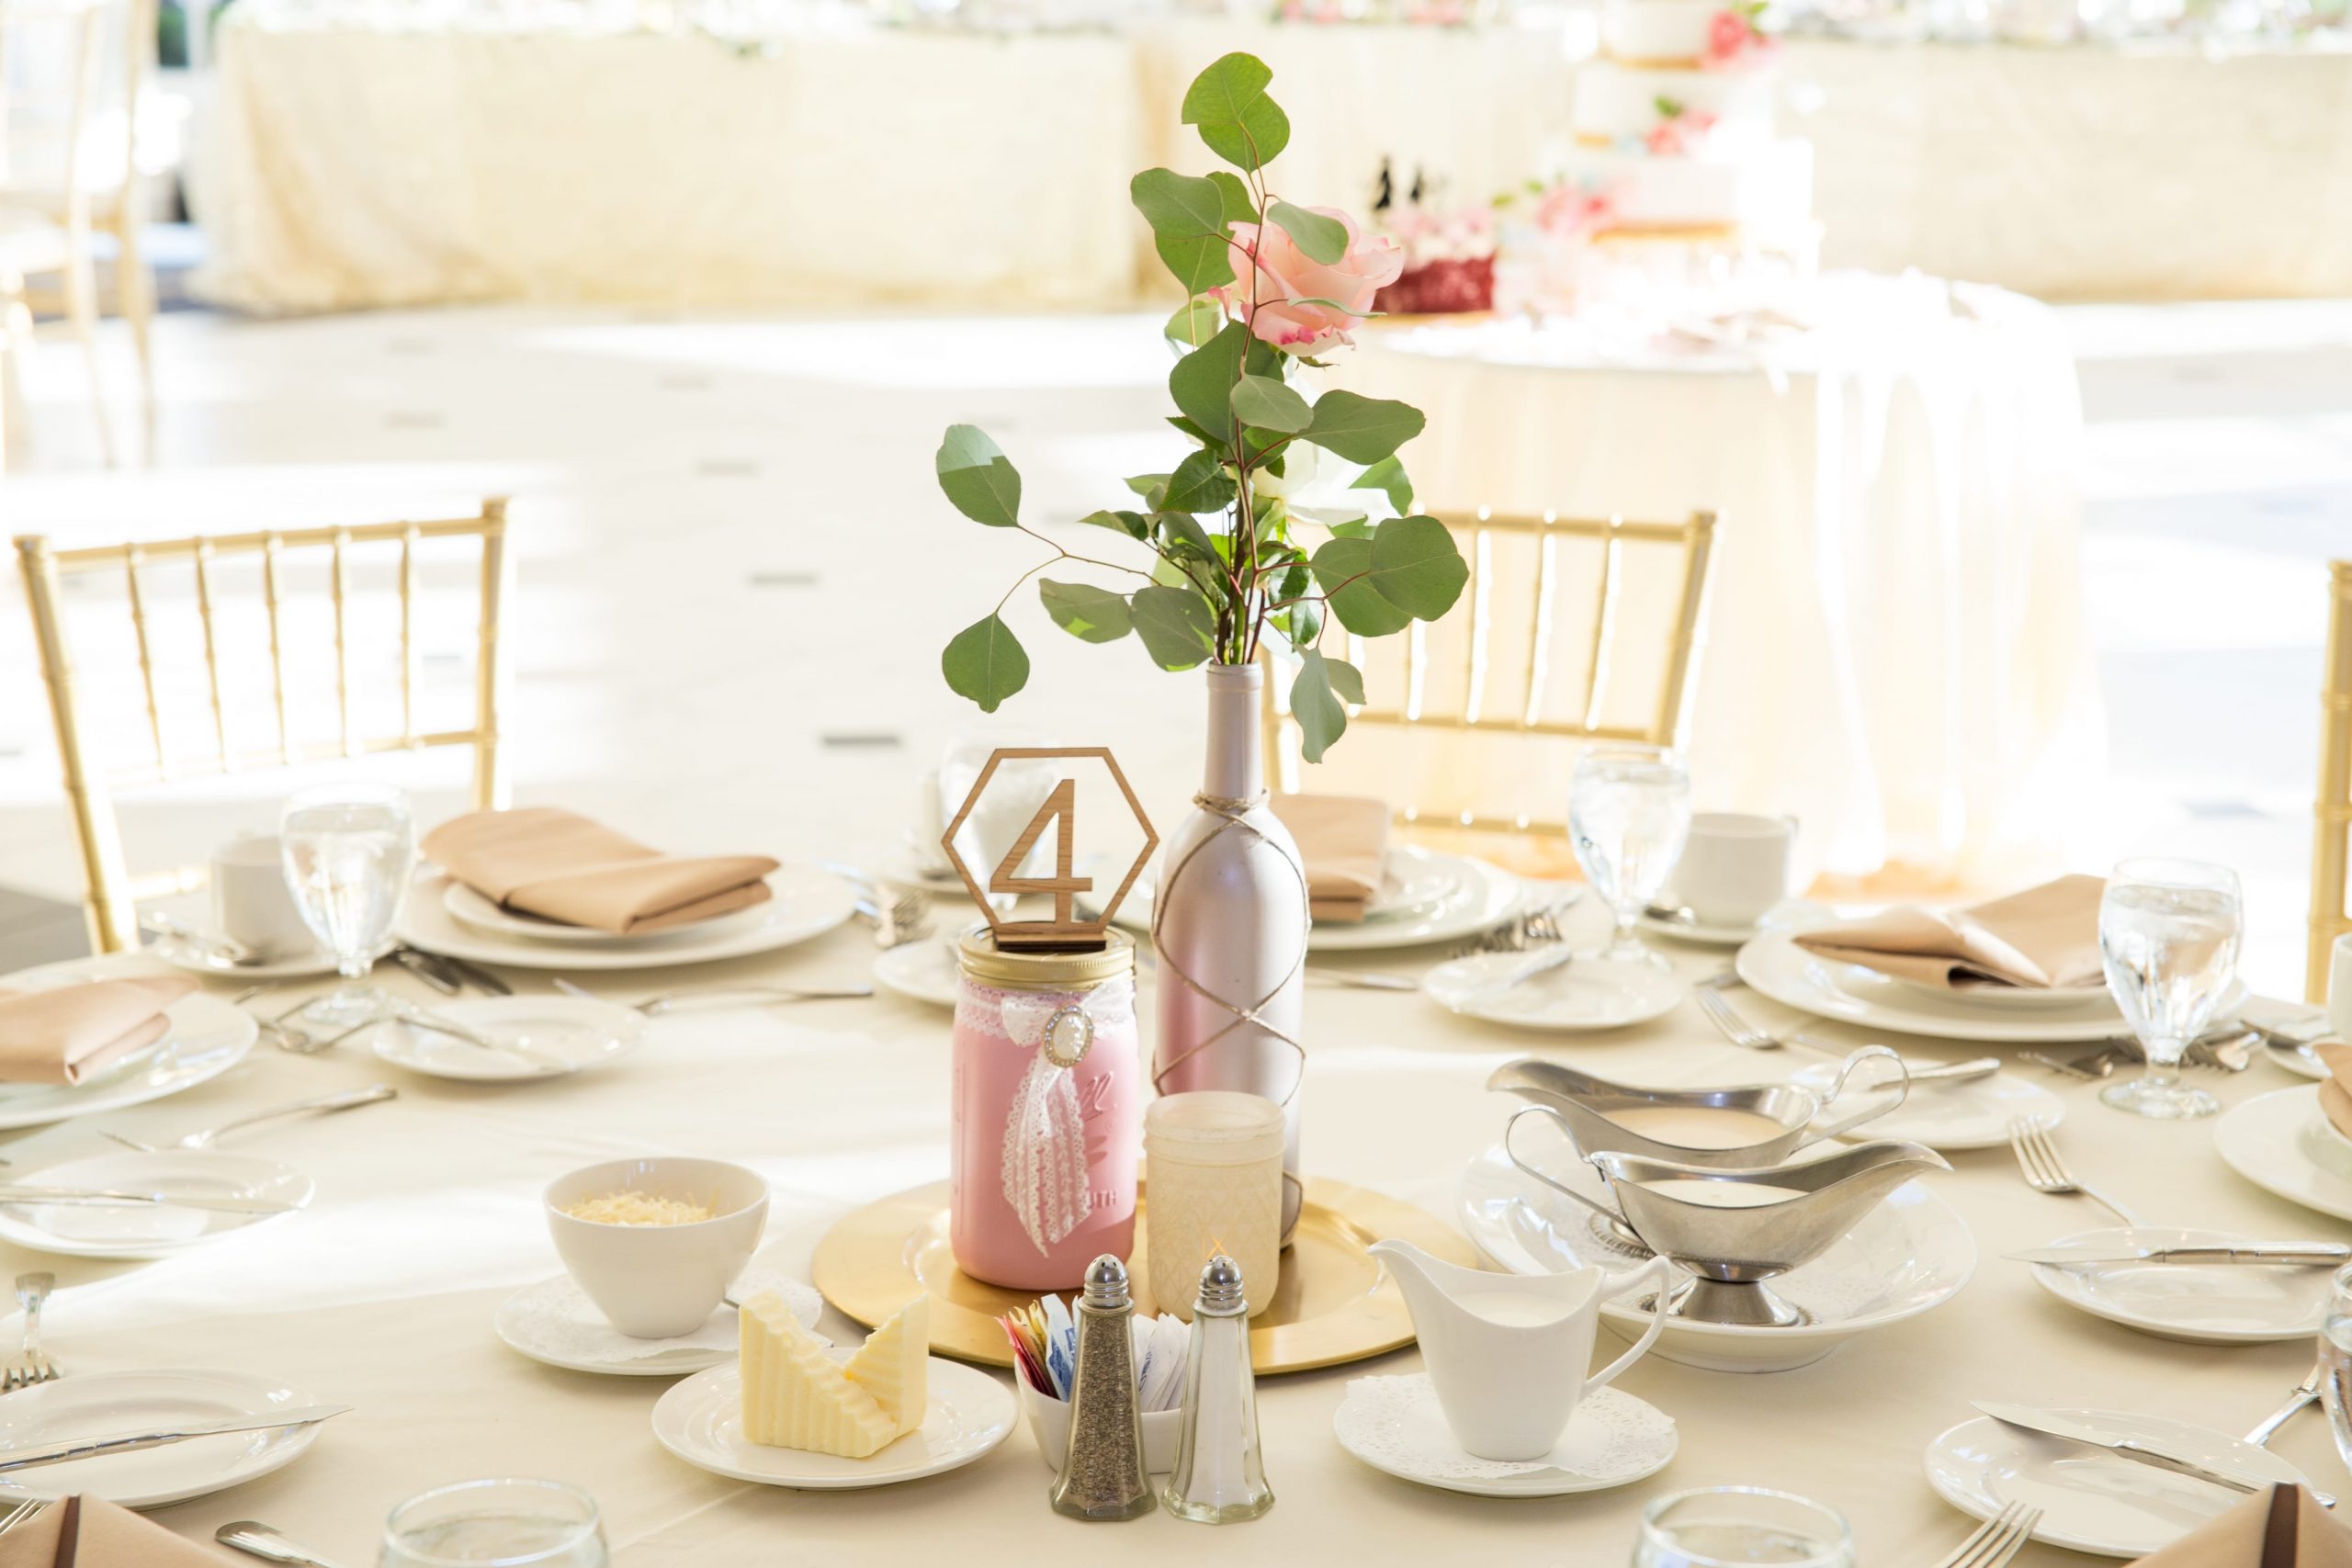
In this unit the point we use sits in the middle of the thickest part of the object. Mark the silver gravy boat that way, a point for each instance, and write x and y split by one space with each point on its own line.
1582 1104
1731 1249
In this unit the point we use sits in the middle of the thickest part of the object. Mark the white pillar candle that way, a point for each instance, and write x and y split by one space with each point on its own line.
1214 1183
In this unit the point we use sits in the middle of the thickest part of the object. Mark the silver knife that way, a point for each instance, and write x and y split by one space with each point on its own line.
2121 1445
16 1193
2293 1254
14 1457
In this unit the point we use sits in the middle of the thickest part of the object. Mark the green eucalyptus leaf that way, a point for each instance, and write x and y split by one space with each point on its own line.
979 479
1302 623
1321 239
1353 528
1143 484
1361 429
1183 533
1131 524
1199 484
985 662
1387 476
1417 566
1086 612
1176 626
1187 218
1347 681
1195 324
1240 207
1264 402
1228 103
1201 382
1344 571
1316 706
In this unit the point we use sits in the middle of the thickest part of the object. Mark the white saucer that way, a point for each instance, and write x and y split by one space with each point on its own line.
579 1030
1697 933
808 902
2281 1141
1971 1114
150 1230
926 970
701 1421
89 1404
1586 994
196 959
555 1322
2091 1500
2219 1303
208 1037
1394 1424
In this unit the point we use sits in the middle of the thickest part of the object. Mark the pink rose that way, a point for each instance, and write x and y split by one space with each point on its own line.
1733 40
1569 211
1680 135
1286 277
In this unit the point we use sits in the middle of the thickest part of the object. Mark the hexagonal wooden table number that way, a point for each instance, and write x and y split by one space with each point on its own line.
1065 932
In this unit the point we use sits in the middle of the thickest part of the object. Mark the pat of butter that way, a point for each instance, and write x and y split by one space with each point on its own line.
894 1362
797 1397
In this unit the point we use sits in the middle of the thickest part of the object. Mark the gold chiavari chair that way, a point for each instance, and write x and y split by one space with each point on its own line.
1537 651
113 895
2332 843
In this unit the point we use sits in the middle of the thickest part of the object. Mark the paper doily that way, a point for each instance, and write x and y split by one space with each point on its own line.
555 1321
1396 1425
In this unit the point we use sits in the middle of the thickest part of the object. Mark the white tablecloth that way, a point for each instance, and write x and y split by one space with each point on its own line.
1896 555
381 1296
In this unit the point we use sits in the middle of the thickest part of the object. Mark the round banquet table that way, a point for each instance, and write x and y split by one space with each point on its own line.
382 1294
1897 552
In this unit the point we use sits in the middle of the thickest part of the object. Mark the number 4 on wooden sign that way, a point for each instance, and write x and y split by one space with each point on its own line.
1064 931
1060 809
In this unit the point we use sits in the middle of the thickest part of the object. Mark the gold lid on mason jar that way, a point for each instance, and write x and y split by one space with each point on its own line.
1017 969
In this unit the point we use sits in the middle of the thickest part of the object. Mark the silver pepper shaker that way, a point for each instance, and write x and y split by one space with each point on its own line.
1220 1475
1103 1475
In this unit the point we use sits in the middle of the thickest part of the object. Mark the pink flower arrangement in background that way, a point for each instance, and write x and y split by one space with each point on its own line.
1302 305
1679 133
1570 211
1733 40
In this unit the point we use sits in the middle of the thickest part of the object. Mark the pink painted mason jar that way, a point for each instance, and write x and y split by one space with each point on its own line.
1048 1124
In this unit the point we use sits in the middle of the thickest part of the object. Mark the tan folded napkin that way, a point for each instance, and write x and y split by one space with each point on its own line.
2335 1090
545 861
1343 839
2045 937
2284 1528
70 1032
89 1532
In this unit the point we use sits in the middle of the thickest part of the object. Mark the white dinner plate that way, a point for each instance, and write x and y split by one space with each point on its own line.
581 1031
1775 966
2281 1141
2219 1303
1469 897
554 1321
925 970
206 1038
1396 1425
701 1421
2092 1500
1969 1113
197 959
1586 994
150 1230
806 903
1909 1254
90 1405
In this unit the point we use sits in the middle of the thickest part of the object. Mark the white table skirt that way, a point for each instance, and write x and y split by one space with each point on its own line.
381 1295
1895 587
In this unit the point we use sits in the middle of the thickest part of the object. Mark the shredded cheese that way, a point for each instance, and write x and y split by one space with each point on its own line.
637 1208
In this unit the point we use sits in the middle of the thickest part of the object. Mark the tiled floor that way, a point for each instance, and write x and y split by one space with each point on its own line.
737 573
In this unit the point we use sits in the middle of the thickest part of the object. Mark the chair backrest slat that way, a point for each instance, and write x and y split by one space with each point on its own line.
2332 810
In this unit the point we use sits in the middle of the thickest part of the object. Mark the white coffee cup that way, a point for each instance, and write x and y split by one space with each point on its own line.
2339 987
251 904
1735 866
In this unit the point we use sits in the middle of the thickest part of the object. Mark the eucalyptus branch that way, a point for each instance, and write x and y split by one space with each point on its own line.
1061 555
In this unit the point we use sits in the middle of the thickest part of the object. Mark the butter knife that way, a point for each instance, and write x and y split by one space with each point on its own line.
16 1193
2299 1254
2122 1445
15 1458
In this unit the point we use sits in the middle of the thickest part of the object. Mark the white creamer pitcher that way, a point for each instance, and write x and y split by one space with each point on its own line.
1507 1353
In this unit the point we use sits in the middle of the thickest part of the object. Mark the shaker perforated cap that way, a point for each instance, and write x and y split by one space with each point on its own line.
1221 1292
1106 1283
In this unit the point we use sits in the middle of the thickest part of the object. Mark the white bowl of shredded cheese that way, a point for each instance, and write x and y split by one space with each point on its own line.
655 1243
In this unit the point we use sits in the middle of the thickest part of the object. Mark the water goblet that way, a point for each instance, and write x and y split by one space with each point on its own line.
512 1523
1718 1526
2168 934
2335 1362
1629 812
348 850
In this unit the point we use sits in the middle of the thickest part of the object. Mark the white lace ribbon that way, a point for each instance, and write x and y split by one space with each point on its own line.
1044 1130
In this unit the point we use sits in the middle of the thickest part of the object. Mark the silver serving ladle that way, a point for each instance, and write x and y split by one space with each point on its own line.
1583 1103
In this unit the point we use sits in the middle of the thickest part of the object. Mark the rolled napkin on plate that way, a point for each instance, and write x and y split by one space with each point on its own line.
89 1532
2283 1528
1343 842
559 865
2335 1090
2044 938
67 1033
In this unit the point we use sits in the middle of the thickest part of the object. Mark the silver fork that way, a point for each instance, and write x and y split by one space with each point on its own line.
653 1006
2306 1393
1995 1541
347 1101
898 919
31 1364
2046 1172
1747 1036
1533 929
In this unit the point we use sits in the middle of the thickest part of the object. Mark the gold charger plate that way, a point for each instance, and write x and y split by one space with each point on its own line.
1336 1302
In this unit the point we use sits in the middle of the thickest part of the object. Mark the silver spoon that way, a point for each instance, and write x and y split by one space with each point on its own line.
268 1542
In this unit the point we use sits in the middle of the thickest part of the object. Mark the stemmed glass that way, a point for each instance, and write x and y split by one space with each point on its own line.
1629 811
2169 938
2335 1362
348 850
1718 1526
514 1524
